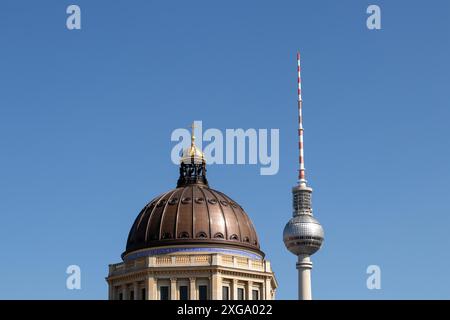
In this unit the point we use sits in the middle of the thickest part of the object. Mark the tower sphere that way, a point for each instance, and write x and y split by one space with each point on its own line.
303 235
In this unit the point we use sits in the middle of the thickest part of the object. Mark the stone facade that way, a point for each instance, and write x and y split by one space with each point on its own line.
192 276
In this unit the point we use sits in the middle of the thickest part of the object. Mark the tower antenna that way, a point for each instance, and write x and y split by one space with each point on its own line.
301 158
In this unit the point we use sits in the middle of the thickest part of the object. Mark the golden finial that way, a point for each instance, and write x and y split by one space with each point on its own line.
192 134
192 151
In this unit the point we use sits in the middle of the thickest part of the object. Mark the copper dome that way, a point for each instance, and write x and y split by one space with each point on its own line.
192 214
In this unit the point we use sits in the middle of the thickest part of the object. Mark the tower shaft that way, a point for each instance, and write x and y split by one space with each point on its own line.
304 266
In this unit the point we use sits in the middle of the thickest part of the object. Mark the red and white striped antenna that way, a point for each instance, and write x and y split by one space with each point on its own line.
301 158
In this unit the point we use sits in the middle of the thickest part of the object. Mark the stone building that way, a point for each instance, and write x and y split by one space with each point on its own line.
192 243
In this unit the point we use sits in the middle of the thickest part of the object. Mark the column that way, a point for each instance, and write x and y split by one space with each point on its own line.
216 286
192 289
304 266
136 290
234 295
111 291
249 290
267 289
124 292
151 288
173 289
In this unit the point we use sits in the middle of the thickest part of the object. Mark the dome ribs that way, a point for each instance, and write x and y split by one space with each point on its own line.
233 225
245 228
154 220
201 216
132 234
141 229
168 218
211 235
184 214
218 223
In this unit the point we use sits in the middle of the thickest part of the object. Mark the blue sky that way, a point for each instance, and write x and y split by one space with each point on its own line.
86 118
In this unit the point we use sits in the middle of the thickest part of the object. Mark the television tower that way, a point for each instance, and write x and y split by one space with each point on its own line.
303 235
